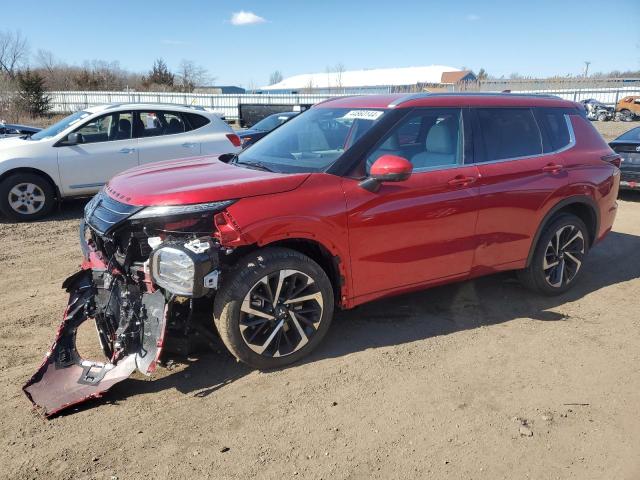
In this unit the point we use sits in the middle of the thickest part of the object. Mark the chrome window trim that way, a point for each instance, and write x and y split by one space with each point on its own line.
570 145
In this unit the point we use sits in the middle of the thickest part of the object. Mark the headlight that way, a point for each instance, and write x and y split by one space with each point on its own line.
180 268
173 210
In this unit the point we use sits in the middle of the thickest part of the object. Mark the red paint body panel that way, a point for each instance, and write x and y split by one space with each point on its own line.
512 197
410 232
196 180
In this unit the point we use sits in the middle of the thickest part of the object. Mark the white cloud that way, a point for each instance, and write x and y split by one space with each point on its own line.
472 17
246 18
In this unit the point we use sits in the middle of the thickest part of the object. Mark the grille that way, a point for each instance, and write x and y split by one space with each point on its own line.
103 213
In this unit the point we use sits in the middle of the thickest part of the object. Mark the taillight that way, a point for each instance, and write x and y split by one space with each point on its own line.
613 159
235 139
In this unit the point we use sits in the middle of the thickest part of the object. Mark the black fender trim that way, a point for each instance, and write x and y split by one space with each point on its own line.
573 200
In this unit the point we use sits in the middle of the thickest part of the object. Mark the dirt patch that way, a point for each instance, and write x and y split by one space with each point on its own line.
480 379
612 130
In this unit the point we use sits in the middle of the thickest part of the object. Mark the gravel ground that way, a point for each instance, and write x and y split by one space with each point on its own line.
477 380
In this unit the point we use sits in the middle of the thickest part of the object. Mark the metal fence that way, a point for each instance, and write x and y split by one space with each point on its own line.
227 105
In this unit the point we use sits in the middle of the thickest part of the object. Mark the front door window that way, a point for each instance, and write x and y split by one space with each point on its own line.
115 126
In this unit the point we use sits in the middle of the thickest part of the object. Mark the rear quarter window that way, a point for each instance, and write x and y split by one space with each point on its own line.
195 121
554 126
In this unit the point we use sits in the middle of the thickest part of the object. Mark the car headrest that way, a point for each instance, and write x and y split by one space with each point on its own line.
439 139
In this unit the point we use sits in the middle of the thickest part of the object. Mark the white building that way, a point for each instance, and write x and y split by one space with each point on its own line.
377 79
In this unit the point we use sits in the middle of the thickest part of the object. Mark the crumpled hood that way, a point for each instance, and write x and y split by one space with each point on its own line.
196 180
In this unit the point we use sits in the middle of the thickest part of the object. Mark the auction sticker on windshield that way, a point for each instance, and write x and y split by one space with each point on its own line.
363 114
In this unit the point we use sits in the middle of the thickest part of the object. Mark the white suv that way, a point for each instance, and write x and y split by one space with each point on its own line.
80 153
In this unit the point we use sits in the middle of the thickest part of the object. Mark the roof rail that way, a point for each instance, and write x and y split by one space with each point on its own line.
334 98
182 105
416 96
409 97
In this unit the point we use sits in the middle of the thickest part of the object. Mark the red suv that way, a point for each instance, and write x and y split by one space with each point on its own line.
356 199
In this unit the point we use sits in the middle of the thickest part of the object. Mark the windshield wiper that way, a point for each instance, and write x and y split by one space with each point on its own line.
255 165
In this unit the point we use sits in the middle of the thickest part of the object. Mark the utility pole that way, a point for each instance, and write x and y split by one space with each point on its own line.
586 68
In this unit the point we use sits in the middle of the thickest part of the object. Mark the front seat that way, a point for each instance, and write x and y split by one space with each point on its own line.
124 129
439 148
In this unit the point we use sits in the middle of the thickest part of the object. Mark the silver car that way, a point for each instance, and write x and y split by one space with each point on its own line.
78 155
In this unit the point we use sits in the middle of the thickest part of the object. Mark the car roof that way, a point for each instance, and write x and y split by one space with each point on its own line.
401 100
619 138
143 105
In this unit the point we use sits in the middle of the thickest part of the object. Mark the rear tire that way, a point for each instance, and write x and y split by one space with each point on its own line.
274 308
558 256
26 197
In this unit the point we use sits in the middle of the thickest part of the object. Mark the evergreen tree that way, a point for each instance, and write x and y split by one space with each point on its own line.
32 96
159 74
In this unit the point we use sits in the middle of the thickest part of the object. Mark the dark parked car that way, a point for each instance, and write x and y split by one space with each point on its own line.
11 130
264 126
628 146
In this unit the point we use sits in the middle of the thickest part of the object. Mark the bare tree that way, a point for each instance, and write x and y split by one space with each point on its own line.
192 75
14 52
339 70
45 60
275 77
309 87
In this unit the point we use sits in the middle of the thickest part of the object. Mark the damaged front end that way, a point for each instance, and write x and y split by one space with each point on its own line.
143 270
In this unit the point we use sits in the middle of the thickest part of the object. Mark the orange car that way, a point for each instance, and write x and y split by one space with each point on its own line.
629 108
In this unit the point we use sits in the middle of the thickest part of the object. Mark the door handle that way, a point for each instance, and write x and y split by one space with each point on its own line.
552 168
189 145
461 181
126 150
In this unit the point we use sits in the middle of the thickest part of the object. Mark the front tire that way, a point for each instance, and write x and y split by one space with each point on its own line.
274 308
558 256
26 197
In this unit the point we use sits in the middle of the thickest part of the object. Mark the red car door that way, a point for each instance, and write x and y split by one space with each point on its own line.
520 171
419 230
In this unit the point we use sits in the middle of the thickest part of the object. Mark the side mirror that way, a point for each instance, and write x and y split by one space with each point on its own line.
387 168
74 139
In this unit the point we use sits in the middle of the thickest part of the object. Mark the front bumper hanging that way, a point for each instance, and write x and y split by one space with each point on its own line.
65 379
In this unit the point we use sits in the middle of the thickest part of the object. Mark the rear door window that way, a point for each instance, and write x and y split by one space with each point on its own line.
507 133
153 123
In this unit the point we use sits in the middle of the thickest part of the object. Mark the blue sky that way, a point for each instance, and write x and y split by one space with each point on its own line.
540 37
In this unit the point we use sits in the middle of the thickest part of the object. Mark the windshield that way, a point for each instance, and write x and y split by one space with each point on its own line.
58 127
632 135
271 122
311 141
